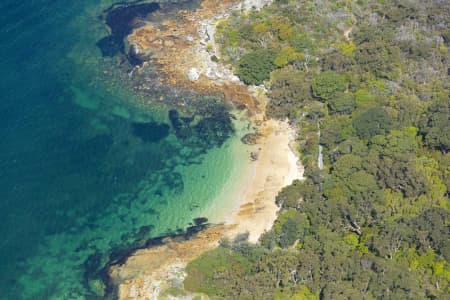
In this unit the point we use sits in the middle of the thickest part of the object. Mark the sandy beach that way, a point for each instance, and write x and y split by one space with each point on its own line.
148 272
277 166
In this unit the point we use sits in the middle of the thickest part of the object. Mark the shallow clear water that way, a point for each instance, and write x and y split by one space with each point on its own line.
87 169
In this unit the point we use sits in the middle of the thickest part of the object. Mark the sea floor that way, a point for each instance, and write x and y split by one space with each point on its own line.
90 168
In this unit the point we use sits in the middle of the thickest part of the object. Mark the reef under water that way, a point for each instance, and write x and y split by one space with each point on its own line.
122 18
92 170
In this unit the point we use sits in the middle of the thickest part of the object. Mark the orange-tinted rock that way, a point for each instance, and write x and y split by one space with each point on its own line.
174 45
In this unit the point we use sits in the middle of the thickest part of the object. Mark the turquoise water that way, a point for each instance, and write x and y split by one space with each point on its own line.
89 167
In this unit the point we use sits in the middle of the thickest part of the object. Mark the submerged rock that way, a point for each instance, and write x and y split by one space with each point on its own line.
150 132
136 57
97 287
200 220
122 19
250 138
254 156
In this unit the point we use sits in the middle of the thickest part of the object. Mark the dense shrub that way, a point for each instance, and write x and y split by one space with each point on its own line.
255 67
327 85
372 122
373 222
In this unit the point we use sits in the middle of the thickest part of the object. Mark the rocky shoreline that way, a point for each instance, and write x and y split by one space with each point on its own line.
149 272
184 51
185 54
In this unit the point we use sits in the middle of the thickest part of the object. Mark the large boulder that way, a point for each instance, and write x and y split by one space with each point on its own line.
193 74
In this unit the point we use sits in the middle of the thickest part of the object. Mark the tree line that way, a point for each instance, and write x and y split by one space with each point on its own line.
374 222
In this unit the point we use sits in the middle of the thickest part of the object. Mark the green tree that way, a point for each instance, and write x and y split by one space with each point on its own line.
255 67
436 126
398 144
435 232
327 85
374 223
342 103
372 122
289 92
335 130
290 226
286 55
302 42
290 196
302 293
376 52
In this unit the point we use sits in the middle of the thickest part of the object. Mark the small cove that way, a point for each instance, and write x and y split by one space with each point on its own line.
89 169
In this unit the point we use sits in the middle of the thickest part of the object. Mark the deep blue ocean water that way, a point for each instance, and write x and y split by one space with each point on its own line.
33 141
85 171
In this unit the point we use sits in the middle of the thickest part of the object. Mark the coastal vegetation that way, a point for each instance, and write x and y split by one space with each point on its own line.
367 82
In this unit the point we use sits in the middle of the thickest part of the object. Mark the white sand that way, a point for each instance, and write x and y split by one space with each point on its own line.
148 271
277 166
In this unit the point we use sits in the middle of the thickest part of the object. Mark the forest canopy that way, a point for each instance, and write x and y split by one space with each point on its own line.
372 78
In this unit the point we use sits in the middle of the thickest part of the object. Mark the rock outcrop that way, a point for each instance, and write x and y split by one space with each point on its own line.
148 272
182 48
193 74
